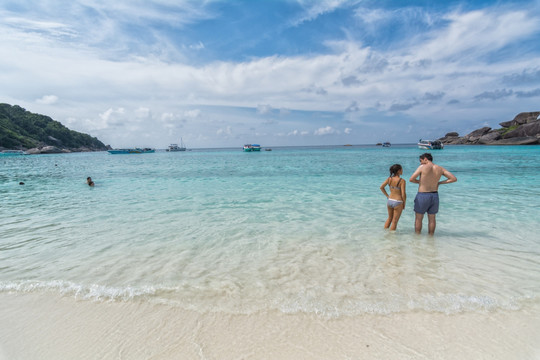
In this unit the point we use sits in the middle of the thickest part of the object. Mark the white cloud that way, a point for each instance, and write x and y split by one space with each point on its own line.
192 114
347 130
226 131
198 46
48 99
474 34
167 117
328 130
314 9
264 109
110 113
143 113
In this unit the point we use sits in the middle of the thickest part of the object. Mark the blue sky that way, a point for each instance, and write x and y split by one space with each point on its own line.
290 72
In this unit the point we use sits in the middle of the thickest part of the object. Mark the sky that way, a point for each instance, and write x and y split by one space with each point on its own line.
223 73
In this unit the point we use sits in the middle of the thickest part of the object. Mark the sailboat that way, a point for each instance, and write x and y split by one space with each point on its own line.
175 147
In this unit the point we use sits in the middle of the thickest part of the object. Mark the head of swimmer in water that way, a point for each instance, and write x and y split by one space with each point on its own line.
395 169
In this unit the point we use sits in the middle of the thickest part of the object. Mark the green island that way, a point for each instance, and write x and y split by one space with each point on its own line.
38 134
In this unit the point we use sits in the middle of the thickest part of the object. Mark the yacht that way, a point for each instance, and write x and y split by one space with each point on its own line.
175 147
430 144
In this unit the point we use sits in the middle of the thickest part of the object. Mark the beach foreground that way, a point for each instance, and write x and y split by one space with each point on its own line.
38 326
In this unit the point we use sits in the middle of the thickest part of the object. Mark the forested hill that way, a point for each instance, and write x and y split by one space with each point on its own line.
21 129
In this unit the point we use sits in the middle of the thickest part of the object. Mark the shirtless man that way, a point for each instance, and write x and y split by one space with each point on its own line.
427 200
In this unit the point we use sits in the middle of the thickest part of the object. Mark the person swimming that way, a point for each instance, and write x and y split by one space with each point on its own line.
89 181
396 200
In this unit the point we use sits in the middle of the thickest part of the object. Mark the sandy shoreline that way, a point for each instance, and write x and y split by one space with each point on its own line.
47 327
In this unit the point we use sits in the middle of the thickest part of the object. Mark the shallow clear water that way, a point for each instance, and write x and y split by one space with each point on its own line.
294 229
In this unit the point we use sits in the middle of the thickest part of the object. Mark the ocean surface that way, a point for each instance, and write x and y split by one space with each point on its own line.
296 229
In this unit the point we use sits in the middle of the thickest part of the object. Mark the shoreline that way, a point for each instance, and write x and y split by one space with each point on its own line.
48 326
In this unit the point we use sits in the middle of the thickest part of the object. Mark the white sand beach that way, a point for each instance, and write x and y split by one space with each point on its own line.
42 326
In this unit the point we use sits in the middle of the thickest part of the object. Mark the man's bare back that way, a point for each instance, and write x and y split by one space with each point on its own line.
428 175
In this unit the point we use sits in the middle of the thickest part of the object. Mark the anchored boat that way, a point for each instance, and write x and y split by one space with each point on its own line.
175 147
430 144
252 147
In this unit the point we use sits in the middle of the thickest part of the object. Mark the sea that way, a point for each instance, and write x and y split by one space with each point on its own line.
292 230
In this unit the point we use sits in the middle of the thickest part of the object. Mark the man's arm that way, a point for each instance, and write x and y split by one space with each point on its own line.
450 178
415 175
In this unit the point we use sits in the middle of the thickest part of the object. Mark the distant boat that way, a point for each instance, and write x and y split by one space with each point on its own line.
13 153
386 144
252 147
131 151
430 144
175 147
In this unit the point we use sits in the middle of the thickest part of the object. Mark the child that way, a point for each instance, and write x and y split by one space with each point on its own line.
397 197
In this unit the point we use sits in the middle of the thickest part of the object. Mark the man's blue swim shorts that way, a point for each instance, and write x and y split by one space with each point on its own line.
426 202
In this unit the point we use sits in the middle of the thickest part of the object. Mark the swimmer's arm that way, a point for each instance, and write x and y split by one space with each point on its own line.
403 193
415 175
383 188
450 178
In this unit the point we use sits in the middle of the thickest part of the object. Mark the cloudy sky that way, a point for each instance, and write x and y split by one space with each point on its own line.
221 73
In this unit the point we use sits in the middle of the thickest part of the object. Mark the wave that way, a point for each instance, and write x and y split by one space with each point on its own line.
299 303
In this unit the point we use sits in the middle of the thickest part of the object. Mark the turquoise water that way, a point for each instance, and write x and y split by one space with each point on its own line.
294 230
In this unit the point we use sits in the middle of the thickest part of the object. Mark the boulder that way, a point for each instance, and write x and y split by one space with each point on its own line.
33 151
489 138
474 136
450 138
527 140
50 150
522 118
530 129
506 124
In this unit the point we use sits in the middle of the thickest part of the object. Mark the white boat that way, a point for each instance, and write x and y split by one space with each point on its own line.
12 153
252 147
430 144
175 147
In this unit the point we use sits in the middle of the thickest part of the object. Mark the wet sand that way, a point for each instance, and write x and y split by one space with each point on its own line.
47 326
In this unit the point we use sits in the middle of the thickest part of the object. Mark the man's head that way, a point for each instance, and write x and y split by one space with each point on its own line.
424 157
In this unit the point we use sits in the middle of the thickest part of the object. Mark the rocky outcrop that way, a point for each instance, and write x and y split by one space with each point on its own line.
451 138
524 129
521 118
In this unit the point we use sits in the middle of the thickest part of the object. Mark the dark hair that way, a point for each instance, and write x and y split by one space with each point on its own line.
394 169
426 156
